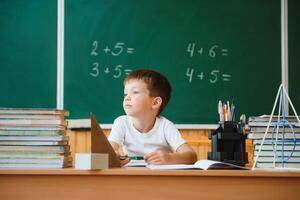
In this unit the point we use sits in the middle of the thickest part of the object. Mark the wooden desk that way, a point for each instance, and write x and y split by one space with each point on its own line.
143 184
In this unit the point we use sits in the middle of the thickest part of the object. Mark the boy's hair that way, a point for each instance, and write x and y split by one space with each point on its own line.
157 84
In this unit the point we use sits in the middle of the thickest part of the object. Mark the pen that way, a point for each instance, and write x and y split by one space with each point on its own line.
243 122
135 157
220 111
225 112
228 111
232 112
131 157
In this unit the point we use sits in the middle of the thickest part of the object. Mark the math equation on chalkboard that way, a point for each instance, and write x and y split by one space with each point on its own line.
114 50
212 52
213 76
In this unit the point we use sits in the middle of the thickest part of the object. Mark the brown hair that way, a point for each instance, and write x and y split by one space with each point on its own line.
157 84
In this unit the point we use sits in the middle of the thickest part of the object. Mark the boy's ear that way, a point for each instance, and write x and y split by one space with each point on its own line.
157 101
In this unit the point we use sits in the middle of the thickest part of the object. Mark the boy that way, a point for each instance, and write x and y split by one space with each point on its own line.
142 132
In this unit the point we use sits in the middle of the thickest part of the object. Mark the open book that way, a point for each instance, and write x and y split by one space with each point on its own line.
200 164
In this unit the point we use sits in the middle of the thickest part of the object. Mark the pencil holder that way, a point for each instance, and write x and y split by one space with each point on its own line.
228 144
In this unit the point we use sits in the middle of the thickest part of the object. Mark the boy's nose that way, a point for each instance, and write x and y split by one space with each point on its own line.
127 97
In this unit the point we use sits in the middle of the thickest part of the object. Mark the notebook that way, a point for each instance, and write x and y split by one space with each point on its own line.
100 143
200 164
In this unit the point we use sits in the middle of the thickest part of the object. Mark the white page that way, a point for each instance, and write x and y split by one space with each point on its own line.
136 163
170 167
200 164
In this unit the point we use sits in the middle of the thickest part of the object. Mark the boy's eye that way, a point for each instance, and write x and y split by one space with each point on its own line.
136 92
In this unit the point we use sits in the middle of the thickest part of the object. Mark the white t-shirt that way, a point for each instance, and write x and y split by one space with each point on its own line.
163 135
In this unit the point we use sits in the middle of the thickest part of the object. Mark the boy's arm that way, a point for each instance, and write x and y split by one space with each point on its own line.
115 146
183 155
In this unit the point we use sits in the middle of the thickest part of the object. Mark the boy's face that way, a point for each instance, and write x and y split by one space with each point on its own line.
137 101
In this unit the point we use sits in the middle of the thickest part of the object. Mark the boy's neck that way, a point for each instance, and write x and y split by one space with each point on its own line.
144 125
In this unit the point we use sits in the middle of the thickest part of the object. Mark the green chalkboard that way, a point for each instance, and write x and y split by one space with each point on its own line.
294 53
28 53
210 50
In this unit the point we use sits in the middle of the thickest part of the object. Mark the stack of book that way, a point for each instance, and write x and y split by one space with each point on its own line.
34 138
283 144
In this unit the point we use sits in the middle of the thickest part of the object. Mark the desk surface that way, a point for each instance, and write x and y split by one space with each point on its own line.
141 171
146 184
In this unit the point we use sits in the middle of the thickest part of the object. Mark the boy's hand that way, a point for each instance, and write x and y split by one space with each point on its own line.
124 162
124 159
159 157
183 155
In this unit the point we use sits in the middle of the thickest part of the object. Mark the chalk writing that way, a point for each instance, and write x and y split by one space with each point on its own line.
115 50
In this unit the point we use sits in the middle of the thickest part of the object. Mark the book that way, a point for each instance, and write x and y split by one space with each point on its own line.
29 160
31 132
278 147
24 122
34 111
279 141
200 164
286 153
279 165
33 143
266 118
263 120
34 138
35 165
272 124
34 128
17 155
277 159
49 149
31 116
261 129
270 135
